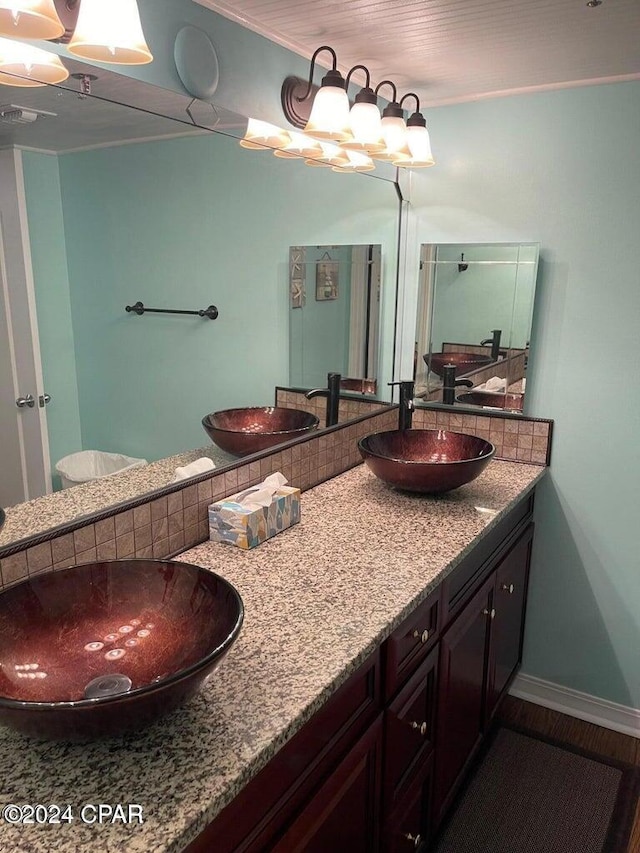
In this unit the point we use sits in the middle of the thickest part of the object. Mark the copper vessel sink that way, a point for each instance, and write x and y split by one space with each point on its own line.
104 648
492 399
359 386
464 362
425 460
244 431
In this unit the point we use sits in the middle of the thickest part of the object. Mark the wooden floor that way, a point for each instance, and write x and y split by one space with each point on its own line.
575 732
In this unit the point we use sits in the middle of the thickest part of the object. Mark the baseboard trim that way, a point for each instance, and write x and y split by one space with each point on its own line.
609 715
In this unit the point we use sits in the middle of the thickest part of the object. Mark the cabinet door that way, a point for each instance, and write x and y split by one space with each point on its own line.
463 650
344 814
508 626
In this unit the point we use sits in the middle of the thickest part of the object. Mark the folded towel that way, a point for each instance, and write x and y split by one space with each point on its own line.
198 466
493 384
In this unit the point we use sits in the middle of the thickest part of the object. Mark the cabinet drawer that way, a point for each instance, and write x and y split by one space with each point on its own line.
409 827
409 644
409 728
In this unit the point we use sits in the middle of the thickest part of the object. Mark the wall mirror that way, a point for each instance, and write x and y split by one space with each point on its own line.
142 200
334 315
475 307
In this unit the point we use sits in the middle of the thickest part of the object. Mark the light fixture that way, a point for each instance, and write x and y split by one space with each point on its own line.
26 66
265 136
331 156
30 19
418 145
329 118
299 146
393 127
110 32
364 118
103 30
357 162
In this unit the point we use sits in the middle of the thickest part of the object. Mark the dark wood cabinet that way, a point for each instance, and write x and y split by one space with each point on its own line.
344 812
378 766
463 653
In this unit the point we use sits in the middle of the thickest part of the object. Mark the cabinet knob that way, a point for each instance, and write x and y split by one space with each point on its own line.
421 727
508 588
416 839
490 613
424 635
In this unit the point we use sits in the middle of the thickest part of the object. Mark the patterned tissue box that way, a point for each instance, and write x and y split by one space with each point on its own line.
234 524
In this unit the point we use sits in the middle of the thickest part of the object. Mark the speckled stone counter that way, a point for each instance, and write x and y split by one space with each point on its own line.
41 514
319 598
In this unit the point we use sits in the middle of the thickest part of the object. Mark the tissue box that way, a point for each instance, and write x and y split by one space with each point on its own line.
234 524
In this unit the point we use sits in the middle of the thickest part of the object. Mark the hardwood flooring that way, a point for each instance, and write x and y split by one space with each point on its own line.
577 733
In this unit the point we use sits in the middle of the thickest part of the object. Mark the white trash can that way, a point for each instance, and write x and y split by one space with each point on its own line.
87 465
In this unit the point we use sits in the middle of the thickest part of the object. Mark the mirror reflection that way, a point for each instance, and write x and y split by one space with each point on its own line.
475 307
334 315
111 205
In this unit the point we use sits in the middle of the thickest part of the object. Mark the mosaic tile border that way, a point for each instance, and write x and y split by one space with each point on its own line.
175 518
350 407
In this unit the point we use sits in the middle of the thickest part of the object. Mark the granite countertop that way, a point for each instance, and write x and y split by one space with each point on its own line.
41 514
319 598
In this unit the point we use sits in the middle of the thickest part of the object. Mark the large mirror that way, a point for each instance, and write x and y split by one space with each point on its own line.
124 205
475 307
334 315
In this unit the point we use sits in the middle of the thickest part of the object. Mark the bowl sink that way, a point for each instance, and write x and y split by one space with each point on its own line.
430 461
492 399
104 648
464 362
244 431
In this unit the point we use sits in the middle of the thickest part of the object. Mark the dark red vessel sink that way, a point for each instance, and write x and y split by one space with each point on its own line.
105 648
244 431
464 362
494 400
426 460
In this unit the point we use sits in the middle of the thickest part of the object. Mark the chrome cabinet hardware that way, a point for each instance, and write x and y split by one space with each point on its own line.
416 839
490 613
508 588
21 402
423 636
43 399
421 727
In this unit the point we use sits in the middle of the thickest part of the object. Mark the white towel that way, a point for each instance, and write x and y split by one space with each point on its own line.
198 466
493 384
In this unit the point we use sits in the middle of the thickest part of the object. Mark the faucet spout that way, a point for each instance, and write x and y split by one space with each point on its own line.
450 383
494 340
406 405
332 393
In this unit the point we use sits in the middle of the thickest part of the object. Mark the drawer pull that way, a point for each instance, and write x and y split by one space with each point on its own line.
490 613
421 727
510 588
423 636
416 839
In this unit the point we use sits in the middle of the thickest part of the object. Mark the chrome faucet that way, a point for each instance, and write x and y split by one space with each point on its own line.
494 340
406 405
332 393
450 383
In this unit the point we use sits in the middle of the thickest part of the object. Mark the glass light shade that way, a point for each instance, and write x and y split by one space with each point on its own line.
394 133
419 145
30 19
365 123
357 162
110 32
299 146
261 136
329 117
332 155
32 65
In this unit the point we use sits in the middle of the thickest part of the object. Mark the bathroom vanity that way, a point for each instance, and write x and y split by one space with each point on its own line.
380 633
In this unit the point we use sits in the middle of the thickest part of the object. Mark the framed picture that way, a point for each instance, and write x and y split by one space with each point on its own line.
326 280
296 276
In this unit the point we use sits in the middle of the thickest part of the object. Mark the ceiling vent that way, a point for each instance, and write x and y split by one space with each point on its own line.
14 114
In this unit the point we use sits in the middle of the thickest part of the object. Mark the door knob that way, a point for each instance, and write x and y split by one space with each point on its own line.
43 399
21 402
508 588
423 636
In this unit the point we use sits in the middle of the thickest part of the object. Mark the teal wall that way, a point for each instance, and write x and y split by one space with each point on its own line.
563 168
51 282
320 329
181 224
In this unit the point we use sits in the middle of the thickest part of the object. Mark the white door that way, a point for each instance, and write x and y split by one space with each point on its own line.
24 446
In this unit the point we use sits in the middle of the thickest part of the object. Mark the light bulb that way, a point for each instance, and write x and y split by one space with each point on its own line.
357 162
364 120
261 135
30 19
329 117
299 146
332 155
31 66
